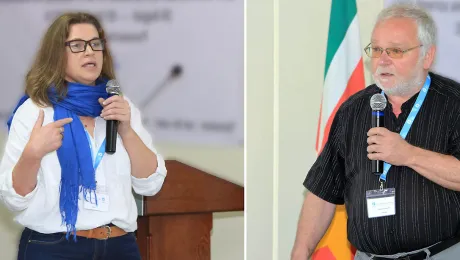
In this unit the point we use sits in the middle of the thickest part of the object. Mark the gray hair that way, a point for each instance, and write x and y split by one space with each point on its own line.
426 27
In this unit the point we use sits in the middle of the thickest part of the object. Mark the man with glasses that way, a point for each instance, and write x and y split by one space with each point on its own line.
411 209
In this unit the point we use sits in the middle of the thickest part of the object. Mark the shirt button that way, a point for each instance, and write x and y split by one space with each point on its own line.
398 129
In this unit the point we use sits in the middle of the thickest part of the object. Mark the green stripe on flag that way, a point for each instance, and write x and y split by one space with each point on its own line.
342 13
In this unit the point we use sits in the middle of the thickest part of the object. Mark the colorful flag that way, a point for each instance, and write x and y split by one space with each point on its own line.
343 76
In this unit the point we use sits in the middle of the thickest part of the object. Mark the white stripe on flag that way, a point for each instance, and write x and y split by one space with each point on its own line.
342 66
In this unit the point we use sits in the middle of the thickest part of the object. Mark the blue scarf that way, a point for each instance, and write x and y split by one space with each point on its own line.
75 158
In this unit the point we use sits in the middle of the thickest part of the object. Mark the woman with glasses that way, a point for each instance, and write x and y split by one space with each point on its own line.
75 200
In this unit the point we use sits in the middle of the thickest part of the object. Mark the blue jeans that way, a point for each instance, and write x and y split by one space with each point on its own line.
38 246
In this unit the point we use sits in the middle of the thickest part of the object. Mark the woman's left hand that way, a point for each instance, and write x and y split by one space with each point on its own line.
117 108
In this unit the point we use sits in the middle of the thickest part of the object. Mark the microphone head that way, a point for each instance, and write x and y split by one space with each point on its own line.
176 71
113 87
378 102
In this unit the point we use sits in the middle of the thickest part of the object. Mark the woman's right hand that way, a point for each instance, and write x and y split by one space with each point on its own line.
46 139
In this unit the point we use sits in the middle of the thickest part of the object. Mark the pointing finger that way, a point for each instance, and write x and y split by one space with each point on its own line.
39 122
62 122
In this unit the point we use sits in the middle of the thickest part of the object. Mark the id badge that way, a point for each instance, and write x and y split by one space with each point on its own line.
380 203
102 204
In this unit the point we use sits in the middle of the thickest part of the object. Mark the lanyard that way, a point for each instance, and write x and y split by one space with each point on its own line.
99 154
407 125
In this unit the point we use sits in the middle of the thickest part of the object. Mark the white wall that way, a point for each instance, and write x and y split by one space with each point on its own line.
9 230
274 179
260 134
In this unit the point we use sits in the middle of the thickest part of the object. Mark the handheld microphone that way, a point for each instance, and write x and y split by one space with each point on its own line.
112 88
378 104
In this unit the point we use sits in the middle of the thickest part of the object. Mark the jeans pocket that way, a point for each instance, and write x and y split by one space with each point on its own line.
46 239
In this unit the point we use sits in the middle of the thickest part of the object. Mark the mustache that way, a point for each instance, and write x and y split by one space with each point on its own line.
381 70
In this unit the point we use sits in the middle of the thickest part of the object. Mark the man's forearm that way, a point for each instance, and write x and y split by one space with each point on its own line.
439 168
315 217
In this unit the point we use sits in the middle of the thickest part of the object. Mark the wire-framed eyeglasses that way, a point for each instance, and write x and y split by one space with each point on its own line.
396 53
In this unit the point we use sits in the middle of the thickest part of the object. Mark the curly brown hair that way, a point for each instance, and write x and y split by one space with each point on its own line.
50 62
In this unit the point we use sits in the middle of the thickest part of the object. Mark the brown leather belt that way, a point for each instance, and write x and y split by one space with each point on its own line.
102 233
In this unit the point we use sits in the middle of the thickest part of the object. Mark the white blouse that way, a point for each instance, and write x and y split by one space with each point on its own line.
39 210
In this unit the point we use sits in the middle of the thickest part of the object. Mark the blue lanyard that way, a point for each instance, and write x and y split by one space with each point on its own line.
410 119
99 154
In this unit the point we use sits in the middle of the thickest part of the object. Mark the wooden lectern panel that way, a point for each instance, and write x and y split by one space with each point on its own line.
190 190
184 237
177 221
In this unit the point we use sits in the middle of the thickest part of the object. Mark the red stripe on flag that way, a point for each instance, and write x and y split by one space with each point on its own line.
353 252
323 253
336 238
318 131
355 84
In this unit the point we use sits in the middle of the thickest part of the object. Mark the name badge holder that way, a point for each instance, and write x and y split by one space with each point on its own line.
101 201
382 202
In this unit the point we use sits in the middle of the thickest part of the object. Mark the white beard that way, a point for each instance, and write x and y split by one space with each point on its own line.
403 88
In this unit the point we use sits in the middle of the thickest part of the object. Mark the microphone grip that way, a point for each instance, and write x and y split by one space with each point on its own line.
377 167
377 121
111 136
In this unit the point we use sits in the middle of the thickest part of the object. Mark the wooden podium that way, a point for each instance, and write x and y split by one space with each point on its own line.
176 223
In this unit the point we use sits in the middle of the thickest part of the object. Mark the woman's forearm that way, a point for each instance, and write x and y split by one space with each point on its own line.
143 160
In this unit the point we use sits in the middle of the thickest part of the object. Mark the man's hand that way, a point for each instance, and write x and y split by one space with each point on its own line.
388 146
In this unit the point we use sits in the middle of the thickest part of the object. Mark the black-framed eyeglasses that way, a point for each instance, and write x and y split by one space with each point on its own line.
396 53
80 45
